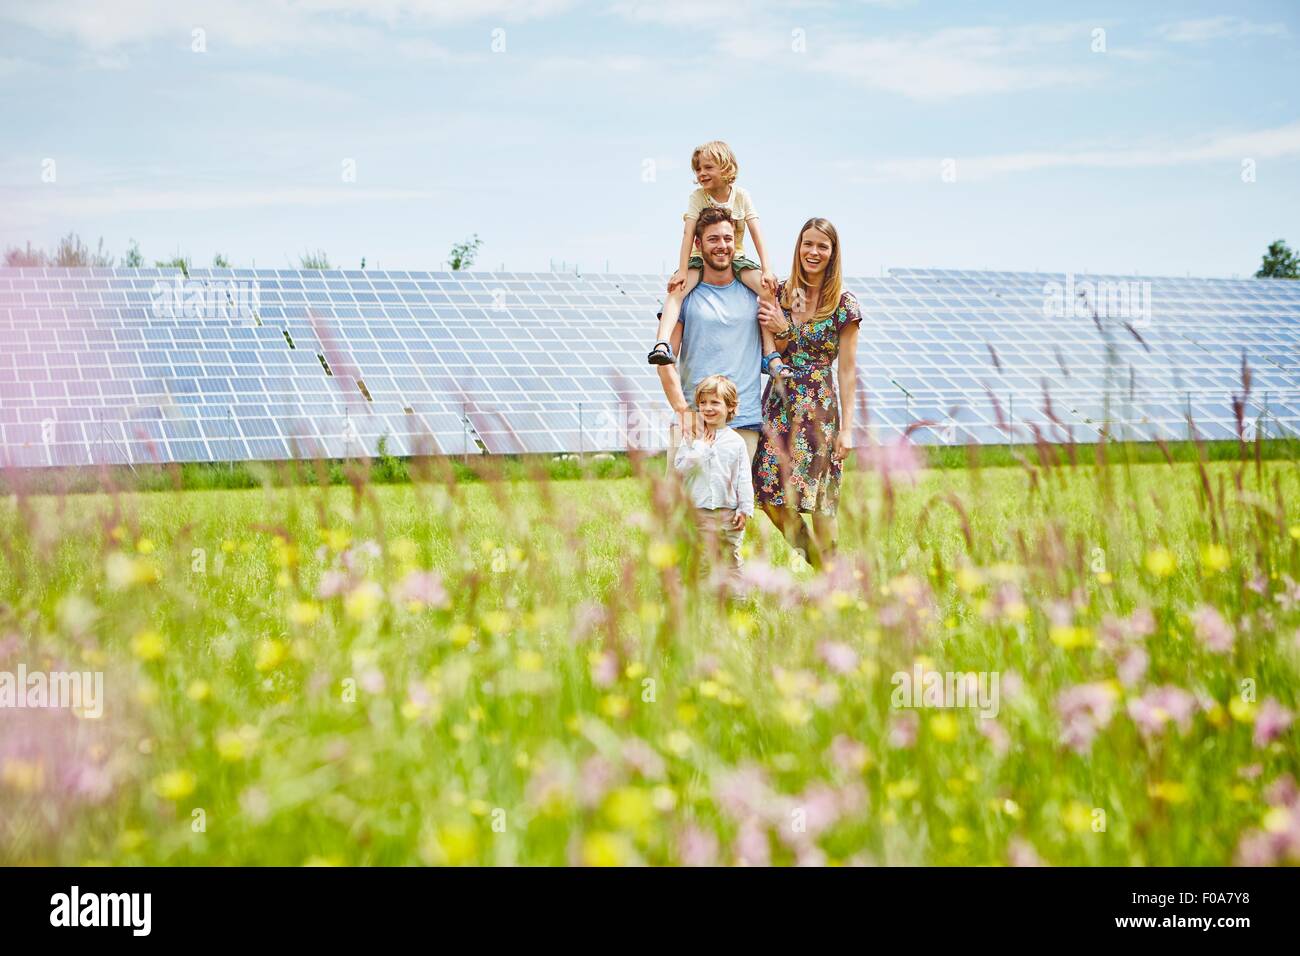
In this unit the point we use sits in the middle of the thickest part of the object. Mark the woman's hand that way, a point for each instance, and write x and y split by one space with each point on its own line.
771 318
843 445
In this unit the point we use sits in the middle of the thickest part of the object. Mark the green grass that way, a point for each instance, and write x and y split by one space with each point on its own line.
580 698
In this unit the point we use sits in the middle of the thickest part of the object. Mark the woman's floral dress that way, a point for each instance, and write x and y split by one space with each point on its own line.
799 428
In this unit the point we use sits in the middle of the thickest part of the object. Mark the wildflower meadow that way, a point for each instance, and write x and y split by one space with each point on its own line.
1074 659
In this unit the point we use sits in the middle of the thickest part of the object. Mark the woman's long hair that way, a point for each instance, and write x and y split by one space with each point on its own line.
829 298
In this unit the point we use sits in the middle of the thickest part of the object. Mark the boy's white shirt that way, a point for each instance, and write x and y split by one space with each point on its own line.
717 473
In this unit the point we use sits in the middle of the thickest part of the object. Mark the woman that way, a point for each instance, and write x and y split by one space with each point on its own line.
807 433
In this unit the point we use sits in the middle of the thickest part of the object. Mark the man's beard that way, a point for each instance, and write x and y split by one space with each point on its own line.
721 266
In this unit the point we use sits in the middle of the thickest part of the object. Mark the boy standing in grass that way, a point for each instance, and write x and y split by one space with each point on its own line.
715 466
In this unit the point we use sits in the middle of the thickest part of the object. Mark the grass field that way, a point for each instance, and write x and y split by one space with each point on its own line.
528 672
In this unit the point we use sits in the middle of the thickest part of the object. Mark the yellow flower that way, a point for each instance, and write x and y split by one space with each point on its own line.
1161 562
496 622
1295 532
959 835
118 532
629 808
462 732
123 571
403 549
456 844
662 554
1070 638
1076 816
969 579
148 645
614 705
305 613
131 840
687 714
678 743
903 789
944 727
529 661
362 601
1170 791
337 539
461 634
1104 577
634 670
270 655
1243 711
232 745
25 776
1215 558
708 688
175 784
228 546
1277 820
605 849
144 546
198 691
795 712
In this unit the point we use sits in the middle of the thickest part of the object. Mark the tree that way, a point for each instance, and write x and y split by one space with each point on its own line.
72 252
315 260
133 258
220 262
17 258
1279 263
462 254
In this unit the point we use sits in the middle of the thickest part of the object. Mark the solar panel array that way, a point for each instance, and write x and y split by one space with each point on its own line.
129 366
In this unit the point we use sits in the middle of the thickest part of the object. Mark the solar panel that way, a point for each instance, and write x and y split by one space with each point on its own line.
131 366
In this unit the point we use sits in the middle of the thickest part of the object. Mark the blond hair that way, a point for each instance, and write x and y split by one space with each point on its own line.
722 387
720 153
829 298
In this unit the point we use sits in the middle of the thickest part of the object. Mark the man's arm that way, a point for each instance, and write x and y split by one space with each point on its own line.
672 385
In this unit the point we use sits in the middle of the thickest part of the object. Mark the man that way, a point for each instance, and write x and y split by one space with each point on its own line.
717 333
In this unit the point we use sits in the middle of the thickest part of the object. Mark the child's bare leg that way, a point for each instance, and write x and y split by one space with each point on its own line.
673 306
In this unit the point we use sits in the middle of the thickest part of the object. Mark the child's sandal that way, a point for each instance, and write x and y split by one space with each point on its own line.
661 356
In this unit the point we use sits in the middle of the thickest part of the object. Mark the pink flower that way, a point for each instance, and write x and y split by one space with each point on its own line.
849 755
1271 722
903 729
996 735
643 758
696 846
839 657
1159 706
587 617
752 846
332 584
604 672
1022 853
1084 709
744 793
1132 667
897 458
764 578
423 588
1212 630
595 777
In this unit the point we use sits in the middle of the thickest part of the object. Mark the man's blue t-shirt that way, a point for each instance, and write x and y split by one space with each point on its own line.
720 336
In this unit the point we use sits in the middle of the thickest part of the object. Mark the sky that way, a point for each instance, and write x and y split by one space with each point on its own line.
1154 138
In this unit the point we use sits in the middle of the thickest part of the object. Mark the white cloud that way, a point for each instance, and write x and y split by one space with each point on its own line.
257 24
45 204
1281 142
960 61
1217 28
